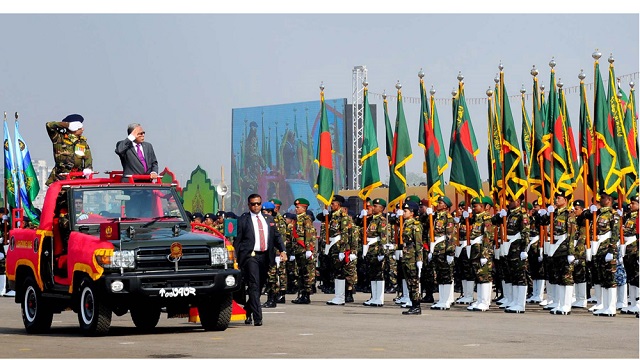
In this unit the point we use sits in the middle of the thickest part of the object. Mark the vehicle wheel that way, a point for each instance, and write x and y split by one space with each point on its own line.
215 312
145 317
94 315
36 315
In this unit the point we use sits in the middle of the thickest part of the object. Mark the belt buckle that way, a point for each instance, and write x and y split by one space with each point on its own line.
253 253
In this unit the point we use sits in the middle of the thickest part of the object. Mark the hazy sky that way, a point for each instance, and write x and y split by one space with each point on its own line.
180 75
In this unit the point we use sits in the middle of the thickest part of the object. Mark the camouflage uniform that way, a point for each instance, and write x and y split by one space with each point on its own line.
536 268
607 230
481 248
580 249
562 268
428 274
390 264
517 223
278 273
376 239
412 253
630 259
442 246
70 152
350 267
303 236
339 248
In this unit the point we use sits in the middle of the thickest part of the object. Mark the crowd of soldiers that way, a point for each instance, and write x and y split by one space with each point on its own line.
527 254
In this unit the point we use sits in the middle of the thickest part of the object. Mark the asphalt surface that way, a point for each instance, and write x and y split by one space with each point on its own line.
352 331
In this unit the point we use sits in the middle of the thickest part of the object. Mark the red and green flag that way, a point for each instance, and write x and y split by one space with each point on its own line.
400 155
463 150
369 153
586 141
562 174
539 176
606 159
570 143
430 140
324 158
631 125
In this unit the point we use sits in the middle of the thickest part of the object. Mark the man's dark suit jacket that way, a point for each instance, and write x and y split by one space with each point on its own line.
131 164
245 241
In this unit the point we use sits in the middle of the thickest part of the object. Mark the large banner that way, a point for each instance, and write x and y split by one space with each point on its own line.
273 151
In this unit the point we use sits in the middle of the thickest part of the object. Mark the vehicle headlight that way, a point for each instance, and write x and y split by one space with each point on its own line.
219 255
124 259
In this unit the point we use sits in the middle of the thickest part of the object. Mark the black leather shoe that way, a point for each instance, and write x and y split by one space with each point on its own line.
348 298
413 311
247 321
269 304
281 298
427 299
258 323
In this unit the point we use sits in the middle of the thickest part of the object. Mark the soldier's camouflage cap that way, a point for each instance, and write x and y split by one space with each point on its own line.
301 201
445 200
276 201
379 201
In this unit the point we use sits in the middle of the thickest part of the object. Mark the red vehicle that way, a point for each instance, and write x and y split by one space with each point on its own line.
108 247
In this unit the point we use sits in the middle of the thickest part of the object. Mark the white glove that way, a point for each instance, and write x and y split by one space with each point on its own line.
608 257
325 212
398 254
83 217
352 257
619 211
363 213
429 211
571 258
542 212
394 257
399 213
1 257
551 209
308 254
524 255
292 258
429 257
75 126
419 264
503 213
341 256
87 172
483 261
540 258
5 218
380 258
277 261
456 220
465 214
449 259
593 208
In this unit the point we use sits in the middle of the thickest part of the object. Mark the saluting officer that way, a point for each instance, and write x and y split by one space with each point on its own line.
70 149
373 252
411 254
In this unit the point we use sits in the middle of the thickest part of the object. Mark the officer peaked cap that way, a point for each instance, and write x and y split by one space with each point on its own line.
413 198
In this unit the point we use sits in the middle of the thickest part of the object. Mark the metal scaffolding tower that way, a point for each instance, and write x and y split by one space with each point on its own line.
357 103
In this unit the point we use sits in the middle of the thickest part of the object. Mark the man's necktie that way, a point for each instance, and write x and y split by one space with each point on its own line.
141 157
263 242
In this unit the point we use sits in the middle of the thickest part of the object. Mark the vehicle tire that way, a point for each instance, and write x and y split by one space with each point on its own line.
145 317
215 312
94 315
36 315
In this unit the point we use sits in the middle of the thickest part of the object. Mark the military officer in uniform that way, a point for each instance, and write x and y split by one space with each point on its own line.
411 254
579 238
281 271
442 251
338 249
303 238
351 266
428 274
606 254
71 152
480 254
373 252
630 256
536 269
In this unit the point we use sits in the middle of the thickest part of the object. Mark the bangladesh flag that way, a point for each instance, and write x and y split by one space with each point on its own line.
463 150
324 182
606 161
570 142
369 153
630 124
586 142
562 174
430 139
401 153
539 176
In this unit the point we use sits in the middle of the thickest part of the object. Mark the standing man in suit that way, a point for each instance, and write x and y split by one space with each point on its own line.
137 156
255 245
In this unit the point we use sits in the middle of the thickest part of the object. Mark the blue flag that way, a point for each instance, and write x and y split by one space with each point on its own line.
28 186
9 170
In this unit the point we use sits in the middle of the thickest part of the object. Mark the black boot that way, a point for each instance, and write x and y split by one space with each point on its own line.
348 297
281 299
414 309
305 298
297 300
271 301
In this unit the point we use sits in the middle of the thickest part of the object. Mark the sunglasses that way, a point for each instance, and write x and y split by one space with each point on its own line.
255 203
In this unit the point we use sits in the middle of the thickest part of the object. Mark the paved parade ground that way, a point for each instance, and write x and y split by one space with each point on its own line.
351 331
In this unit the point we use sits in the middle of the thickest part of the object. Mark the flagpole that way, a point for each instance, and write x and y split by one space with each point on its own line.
524 150
596 55
552 64
432 234
585 167
426 164
537 100
489 92
4 223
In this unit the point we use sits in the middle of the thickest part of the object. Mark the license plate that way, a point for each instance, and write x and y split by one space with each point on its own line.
177 292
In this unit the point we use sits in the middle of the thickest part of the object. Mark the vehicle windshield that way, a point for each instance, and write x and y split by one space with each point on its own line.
95 206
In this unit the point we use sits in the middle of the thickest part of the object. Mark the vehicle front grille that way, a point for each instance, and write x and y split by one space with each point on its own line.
157 258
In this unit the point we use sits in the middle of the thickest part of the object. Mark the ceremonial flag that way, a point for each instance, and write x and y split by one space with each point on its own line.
10 183
430 139
28 186
541 152
626 163
631 125
526 138
606 160
562 175
516 180
586 141
389 134
324 156
569 140
463 150
495 141
369 153
401 153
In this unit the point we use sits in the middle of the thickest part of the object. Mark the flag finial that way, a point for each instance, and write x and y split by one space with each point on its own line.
454 92
496 79
542 87
432 91
489 92
5 116
596 55
534 71
500 66
420 74
398 85
582 75
321 85
460 76
16 115
611 59
523 90
384 94
560 84
552 63
631 85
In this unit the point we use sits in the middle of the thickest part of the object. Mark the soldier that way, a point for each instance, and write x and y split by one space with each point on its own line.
427 275
442 251
351 266
480 254
196 218
411 259
338 248
373 252
70 149
516 243
219 224
579 238
462 261
536 270
390 266
210 219
281 271
207 221
272 273
303 241
562 254
606 253
630 255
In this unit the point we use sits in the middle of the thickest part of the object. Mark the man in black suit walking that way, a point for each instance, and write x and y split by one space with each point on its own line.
137 156
255 245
